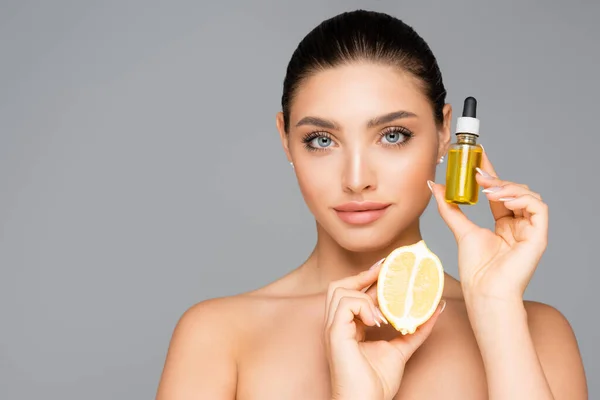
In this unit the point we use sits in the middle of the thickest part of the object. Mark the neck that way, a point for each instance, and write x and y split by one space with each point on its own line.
330 262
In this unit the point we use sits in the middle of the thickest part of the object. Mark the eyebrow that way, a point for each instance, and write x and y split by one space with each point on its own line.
380 120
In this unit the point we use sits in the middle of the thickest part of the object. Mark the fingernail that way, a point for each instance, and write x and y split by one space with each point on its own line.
443 303
482 148
493 189
506 198
430 184
375 319
376 264
483 173
381 316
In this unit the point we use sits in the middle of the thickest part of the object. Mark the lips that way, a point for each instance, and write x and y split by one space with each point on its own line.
360 213
356 206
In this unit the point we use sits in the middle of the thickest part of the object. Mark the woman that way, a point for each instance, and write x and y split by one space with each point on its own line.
364 122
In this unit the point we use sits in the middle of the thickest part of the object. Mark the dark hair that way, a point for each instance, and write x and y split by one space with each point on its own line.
364 36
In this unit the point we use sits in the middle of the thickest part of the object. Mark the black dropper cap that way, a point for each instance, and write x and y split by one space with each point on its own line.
470 107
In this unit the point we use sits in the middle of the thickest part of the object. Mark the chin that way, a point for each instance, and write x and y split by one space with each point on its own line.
364 239
359 246
379 235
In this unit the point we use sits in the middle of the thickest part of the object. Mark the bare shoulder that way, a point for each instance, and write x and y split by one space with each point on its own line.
215 314
541 313
202 354
557 348
547 324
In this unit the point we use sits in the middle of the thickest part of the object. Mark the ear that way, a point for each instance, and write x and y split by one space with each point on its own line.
283 136
446 131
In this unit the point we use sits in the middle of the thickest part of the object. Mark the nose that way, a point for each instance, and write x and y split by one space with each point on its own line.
358 173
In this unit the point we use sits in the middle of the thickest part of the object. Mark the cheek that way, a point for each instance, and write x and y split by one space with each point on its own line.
406 176
411 164
315 185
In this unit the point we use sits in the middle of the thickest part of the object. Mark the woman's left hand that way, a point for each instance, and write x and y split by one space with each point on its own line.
498 265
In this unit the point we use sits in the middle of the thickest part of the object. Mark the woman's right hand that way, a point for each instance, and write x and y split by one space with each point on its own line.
360 369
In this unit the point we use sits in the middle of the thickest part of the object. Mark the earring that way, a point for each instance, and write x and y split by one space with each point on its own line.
292 164
441 160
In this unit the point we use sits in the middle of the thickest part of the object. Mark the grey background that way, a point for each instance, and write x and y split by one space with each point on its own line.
138 154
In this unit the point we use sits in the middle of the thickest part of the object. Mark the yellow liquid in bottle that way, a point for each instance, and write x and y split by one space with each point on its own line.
461 186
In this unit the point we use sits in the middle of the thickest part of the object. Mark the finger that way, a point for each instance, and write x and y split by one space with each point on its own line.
355 282
538 214
495 185
372 293
488 181
342 293
508 191
486 164
343 326
408 344
456 220
487 178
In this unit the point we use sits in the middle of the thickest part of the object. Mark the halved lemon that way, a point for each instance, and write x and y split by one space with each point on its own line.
410 286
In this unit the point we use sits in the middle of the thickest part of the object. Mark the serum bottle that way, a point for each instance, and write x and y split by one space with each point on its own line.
463 157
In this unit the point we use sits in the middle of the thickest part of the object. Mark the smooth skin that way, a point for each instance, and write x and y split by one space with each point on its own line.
316 333
365 369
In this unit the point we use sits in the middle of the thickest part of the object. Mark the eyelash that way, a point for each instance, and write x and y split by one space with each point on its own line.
309 137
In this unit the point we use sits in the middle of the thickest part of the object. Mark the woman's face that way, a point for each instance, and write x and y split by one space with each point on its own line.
364 142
